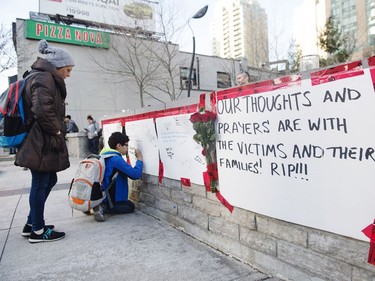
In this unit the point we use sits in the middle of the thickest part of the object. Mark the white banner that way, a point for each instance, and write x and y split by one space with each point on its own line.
108 129
142 136
180 153
304 154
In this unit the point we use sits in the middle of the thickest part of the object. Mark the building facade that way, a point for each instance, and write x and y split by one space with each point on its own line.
118 72
239 29
370 21
355 19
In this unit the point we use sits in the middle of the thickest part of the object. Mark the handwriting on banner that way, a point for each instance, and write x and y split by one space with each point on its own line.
290 102
286 159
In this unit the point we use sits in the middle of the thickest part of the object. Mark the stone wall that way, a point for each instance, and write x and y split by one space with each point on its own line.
77 144
279 248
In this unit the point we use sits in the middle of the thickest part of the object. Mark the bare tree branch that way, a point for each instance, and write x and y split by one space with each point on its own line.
8 57
151 63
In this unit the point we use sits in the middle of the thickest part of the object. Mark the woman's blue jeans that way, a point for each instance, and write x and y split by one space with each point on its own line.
41 185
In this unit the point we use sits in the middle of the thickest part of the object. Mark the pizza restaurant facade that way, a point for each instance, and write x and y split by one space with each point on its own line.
95 88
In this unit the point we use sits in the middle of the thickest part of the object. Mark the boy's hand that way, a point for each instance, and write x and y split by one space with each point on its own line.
138 154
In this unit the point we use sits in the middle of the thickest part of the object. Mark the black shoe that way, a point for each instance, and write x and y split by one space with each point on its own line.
47 236
27 230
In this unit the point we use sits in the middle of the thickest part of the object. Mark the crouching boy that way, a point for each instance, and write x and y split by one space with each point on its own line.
119 191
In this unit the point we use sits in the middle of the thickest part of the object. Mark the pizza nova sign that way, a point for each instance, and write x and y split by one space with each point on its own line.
66 34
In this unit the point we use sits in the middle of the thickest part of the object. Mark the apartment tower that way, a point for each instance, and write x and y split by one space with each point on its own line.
239 30
355 18
357 21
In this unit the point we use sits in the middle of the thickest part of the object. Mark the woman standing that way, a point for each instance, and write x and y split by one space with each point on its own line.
44 150
93 132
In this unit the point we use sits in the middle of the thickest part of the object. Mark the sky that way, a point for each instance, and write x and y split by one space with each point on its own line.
280 21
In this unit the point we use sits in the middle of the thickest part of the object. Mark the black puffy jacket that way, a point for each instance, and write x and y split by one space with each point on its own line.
44 103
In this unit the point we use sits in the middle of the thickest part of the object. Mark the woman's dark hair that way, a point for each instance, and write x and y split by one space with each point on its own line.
116 138
90 117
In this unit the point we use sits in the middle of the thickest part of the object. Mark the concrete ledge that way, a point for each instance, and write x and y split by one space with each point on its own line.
9 157
77 144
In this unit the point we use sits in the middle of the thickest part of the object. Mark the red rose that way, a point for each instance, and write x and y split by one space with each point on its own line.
205 118
210 115
212 171
196 117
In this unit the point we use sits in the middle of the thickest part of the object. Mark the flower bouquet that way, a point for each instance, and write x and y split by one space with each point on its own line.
204 125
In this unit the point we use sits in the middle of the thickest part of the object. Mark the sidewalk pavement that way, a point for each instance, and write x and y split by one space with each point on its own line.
134 247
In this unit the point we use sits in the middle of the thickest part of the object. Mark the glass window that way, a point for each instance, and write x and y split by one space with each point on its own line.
223 80
184 77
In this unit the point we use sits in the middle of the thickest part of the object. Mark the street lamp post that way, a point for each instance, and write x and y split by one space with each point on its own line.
197 15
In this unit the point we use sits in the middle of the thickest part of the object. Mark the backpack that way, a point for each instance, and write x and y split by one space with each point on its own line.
13 129
75 128
99 131
86 191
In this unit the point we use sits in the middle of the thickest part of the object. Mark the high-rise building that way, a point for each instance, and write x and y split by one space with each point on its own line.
354 18
239 30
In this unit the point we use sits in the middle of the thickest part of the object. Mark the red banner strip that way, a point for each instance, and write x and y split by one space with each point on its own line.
372 73
177 110
224 202
161 171
154 114
371 254
337 72
213 101
114 120
369 231
185 182
248 89
202 101
206 180
371 61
